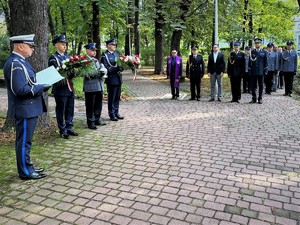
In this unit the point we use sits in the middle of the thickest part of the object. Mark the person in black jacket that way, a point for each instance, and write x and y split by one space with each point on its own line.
236 67
216 69
113 80
195 71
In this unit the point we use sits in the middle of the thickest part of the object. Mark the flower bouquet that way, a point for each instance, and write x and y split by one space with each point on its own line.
130 62
77 65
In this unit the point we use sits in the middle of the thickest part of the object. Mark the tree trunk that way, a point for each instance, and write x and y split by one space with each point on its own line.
129 22
63 19
51 24
96 27
5 8
177 32
23 22
136 28
159 38
85 18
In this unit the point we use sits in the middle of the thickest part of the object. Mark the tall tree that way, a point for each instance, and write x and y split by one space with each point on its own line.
31 17
96 24
136 27
159 37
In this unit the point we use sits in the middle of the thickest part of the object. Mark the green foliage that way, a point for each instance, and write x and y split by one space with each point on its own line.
4 49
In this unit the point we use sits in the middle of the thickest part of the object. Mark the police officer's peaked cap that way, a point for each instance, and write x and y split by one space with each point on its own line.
91 46
257 40
61 38
27 39
289 43
111 41
194 48
248 48
270 45
236 44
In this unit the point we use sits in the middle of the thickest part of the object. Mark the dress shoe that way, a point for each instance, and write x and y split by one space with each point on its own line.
232 101
211 100
72 133
259 101
191 99
237 101
64 136
92 127
198 99
253 101
173 97
34 176
290 95
219 99
119 117
113 119
39 170
97 123
285 94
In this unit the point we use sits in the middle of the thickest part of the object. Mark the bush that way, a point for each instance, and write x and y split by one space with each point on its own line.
4 49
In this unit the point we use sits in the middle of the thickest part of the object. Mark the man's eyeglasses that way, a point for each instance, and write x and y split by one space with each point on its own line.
31 46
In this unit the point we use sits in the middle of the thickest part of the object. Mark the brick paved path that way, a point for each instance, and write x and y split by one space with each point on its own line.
172 162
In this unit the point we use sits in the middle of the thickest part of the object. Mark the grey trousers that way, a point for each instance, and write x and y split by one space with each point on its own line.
213 78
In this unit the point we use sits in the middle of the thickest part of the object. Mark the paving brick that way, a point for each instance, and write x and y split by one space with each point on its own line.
68 217
159 219
122 220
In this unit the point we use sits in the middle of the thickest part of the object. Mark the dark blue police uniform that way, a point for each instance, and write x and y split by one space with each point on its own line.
258 68
25 104
113 82
64 94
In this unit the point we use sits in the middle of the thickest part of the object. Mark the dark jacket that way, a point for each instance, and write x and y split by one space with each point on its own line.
258 63
195 66
236 64
114 75
25 99
217 67
61 88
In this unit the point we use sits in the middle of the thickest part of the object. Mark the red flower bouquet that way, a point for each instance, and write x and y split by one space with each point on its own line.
130 62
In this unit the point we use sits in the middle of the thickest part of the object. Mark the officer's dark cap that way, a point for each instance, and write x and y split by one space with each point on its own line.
248 48
289 43
91 46
237 44
270 45
61 38
257 40
111 42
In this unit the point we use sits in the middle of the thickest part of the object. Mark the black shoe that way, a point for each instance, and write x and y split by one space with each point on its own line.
253 101
34 176
39 170
113 119
290 95
219 99
173 97
211 100
244 91
92 127
232 100
191 99
198 99
119 116
285 94
64 136
97 123
72 133
259 101
237 101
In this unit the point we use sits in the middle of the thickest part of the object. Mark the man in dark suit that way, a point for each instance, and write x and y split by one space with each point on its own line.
195 71
236 67
63 90
113 80
215 68
25 102
258 67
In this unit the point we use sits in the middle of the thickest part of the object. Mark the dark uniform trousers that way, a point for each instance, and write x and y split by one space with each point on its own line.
174 91
235 82
93 105
113 101
280 83
64 112
195 83
288 81
24 133
254 79
246 83
269 81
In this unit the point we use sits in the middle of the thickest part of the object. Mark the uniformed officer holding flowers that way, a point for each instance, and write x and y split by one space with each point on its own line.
113 80
63 90
25 102
93 87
